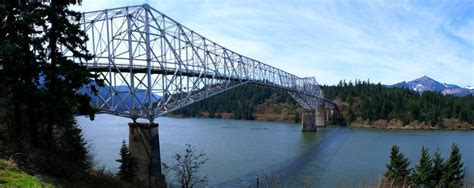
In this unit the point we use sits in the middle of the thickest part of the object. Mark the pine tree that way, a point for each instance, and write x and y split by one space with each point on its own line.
42 83
438 168
424 169
63 76
454 172
20 67
126 169
397 169
73 148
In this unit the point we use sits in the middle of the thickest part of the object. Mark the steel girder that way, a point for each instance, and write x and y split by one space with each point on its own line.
153 65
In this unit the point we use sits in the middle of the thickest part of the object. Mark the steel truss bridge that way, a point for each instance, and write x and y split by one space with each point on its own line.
153 65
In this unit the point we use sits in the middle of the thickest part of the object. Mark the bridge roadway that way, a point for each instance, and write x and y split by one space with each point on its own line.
197 71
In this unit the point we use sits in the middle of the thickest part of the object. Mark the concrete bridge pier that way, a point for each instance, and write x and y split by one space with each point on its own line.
328 115
144 146
321 120
310 120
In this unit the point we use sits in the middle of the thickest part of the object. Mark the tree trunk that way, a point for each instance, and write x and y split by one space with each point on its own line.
18 127
17 113
49 133
33 125
53 83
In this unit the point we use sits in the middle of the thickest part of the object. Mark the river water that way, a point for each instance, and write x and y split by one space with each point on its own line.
240 151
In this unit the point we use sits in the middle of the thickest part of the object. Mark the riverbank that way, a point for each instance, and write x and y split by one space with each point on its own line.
284 118
446 124
12 176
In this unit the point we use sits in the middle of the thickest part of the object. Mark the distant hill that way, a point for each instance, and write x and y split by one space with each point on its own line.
122 93
251 102
426 83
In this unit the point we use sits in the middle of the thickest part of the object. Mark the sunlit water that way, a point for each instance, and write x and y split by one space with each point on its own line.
240 151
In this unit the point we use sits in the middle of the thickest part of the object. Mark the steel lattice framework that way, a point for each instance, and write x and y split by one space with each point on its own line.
153 65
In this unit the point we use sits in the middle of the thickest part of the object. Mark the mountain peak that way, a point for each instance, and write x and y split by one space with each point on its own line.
424 78
426 83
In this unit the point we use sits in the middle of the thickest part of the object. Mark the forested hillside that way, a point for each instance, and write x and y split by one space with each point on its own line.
360 103
365 103
249 102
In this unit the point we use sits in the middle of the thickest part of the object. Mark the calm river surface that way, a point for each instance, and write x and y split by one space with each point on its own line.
239 151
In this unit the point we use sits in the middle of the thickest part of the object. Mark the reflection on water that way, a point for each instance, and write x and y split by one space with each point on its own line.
240 151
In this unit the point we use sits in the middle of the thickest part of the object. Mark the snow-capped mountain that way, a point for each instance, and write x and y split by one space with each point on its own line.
426 83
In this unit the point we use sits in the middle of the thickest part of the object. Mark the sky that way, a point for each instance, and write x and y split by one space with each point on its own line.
381 41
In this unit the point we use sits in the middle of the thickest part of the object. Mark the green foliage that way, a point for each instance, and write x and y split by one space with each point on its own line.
438 167
72 146
39 85
375 101
427 173
126 169
67 159
454 171
186 167
423 172
397 169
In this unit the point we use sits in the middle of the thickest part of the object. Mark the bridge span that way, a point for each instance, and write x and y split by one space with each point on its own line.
165 66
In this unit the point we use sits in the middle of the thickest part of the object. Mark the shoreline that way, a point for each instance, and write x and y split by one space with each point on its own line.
411 128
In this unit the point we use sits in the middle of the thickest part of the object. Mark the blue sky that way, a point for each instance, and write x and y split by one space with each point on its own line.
384 41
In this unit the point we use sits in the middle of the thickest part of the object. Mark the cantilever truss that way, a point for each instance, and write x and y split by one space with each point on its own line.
153 65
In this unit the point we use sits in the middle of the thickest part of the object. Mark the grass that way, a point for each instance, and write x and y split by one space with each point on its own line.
10 176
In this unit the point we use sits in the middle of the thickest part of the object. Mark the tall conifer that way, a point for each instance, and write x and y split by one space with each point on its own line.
397 169
423 171
454 172
438 167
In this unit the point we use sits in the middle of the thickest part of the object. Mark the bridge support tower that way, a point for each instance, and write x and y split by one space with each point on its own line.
321 117
310 120
144 146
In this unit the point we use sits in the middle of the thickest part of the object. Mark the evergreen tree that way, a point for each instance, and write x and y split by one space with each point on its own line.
423 171
126 169
438 168
454 171
63 76
20 66
397 169
72 148
41 84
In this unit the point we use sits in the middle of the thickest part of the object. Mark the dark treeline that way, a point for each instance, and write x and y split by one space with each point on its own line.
242 102
371 102
38 99
357 101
